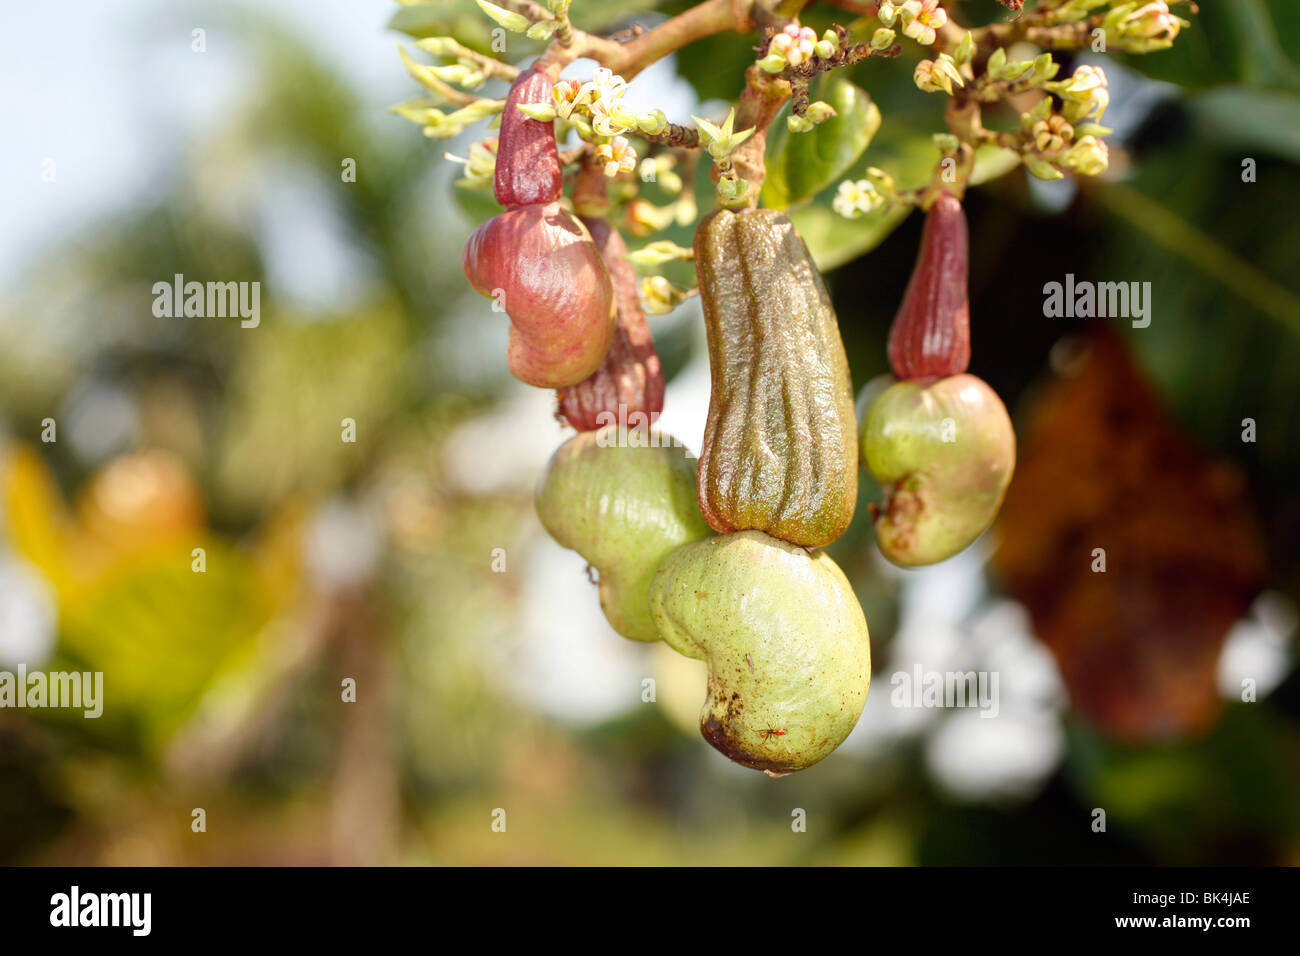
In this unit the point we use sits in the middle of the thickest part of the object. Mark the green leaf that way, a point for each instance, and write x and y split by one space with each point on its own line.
834 240
799 165
1245 41
1203 251
992 162
714 66
1224 339
130 624
1239 116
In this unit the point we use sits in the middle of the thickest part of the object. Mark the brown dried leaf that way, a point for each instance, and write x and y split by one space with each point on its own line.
1103 466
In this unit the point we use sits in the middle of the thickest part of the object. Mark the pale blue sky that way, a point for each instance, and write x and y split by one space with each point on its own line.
107 89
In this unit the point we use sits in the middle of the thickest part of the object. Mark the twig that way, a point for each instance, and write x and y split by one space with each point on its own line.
629 59
761 101
681 137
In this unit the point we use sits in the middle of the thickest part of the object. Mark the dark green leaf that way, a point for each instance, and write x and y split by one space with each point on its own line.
1251 118
834 240
799 165
1243 41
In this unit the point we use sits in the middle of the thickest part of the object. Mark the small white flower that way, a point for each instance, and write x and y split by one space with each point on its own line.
855 199
617 155
921 18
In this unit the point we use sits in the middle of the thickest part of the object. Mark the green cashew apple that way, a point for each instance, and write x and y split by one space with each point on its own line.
943 450
623 506
785 641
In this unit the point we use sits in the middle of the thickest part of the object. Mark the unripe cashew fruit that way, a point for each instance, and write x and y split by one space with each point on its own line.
623 509
555 287
943 451
785 641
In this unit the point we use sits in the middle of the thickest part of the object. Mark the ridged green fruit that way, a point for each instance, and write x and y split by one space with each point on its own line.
785 640
780 444
623 507
944 452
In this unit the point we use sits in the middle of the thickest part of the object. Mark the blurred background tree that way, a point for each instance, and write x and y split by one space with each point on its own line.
374 560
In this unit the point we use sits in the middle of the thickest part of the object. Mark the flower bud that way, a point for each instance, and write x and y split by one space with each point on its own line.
1144 28
819 111
617 155
1042 169
516 22
652 123
1088 157
946 143
965 50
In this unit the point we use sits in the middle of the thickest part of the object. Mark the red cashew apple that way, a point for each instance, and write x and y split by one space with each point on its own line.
540 263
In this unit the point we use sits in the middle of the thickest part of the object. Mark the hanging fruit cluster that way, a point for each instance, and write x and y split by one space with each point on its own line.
938 440
720 558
